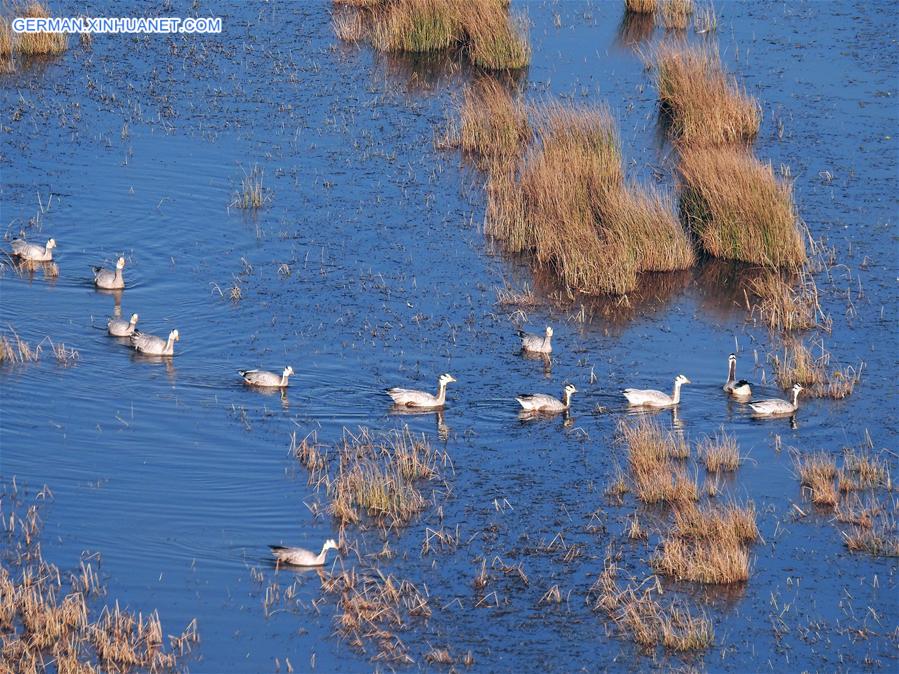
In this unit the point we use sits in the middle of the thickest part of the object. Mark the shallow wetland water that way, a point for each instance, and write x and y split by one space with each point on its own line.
368 268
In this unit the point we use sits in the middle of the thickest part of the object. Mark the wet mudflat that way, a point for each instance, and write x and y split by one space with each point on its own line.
367 268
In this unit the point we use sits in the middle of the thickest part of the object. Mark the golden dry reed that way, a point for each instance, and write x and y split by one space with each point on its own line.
656 477
738 209
816 474
39 44
493 125
799 366
783 305
676 14
567 203
704 105
481 30
719 453
640 6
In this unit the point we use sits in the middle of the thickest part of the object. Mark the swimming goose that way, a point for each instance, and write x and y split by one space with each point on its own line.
405 397
33 251
118 327
537 343
652 398
738 389
301 556
108 279
266 379
775 407
153 345
541 402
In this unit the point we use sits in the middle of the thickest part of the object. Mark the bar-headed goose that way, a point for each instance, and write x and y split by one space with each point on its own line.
537 343
265 379
301 556
405 397
153 345
33 251
118 327
652 398
108 279
738 389
775 407
541 402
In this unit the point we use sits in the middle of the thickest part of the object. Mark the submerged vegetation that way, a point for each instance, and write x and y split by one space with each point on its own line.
482 31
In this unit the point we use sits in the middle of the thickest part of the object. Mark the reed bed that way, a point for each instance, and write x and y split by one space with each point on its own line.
15 351
48 619
784 305
6 46
881 539
816 474
39 44
676 14
482 31
864 471
568 204
738 209
641 6
639 616
493 124
703 105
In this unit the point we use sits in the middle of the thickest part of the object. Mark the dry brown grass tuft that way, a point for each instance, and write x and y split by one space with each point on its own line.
783 305
881 539
493 123
640 6
716 523
738 209
481 30
676 14
705 106
6 46
568 204
720 561
37 44
798 365
656 478
639 616
252 194
816 474
865 471
15 350
719 453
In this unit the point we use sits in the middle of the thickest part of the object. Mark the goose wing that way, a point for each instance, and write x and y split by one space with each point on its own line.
650 397
539 401
119 328
533 342
411 397
294 556
147 343
260 377
771 406
28 251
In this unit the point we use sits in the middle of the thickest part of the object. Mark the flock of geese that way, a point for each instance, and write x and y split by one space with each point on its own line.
531 403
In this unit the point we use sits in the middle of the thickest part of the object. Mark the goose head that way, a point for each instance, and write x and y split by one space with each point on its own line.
173 335
287 371
446 379
732 359
133 320
120 263
796 389
51 244
681 379
568 390
330 544
549 331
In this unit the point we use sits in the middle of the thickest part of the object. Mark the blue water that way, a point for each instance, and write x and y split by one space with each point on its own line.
180 477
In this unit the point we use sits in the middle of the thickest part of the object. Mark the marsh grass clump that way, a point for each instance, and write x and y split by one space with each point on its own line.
880 539
40 44
676 14
738 210
65 356
783 304
377 475
493 124
703 105
6 46
799 365
866 470
715 523
14 350
719 453
721 561
252 194
567 203
480 30
816 474
641 6
649 623
656 478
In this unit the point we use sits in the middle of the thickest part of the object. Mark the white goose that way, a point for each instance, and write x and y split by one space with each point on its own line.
653 398
265 379
118 327
108 279
33 251
537 343
738 389
153 345
405 397
775 407
541 402
301 556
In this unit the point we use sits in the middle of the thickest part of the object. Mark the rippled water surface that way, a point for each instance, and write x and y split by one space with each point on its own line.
367 269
